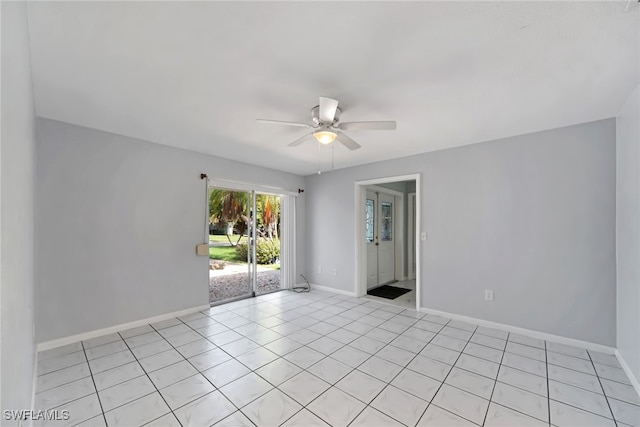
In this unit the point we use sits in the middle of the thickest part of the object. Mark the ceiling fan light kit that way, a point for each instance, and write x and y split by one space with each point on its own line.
327 129
325 136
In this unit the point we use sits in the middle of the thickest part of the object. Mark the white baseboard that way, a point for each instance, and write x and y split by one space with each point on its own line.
529 332
333 290
628 371
34 385
47 345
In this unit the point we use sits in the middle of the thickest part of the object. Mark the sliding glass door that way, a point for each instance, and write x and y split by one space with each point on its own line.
245 247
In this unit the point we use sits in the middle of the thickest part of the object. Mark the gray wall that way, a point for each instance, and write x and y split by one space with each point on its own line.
17 179
531 217
118 225
628 230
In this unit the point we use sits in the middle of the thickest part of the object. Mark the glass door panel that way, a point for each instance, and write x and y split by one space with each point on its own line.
230 244
268 246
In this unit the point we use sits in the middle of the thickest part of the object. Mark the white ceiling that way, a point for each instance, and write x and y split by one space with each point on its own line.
196 75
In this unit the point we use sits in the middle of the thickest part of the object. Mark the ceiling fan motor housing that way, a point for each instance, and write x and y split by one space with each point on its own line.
315 116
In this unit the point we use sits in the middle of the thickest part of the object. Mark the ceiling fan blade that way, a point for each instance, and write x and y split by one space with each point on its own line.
378 125
277 122
328 108
347 142
299 140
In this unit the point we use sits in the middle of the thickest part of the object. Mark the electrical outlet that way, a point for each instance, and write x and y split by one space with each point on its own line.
334 272
488 295
319 270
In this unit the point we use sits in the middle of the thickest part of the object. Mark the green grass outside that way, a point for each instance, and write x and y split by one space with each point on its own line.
228 253
221 238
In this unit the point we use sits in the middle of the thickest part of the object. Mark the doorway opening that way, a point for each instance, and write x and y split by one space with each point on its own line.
387 240
245 249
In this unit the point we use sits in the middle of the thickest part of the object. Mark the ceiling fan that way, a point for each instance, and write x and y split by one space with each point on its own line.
326 126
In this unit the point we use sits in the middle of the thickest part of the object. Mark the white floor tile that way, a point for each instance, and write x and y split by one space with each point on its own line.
196 347
444 355
304 387
325 345
583 399
605 359
64 393
80 410
138 412
160 360
150 349
473 383
575 378
205 411
620 391
361 386
497 343
268 341
461 403
527 351
568 416
380 368
523 380
278 371
304 418
62 376
304 357
237 419
438 417
500 416
483 352
257 358
523 339
478 366
417 384
522 401
372 417
245 389
570 362
168 420
125 392
111 377
429 367
396 355
209 359
330 370
105 349
336 407
625 413
186 390
272 409
226 372
525 364
171 374
60 361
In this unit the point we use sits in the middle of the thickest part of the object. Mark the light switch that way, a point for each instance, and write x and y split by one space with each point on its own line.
423 236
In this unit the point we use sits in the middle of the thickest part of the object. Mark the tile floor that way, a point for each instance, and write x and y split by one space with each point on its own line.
313 359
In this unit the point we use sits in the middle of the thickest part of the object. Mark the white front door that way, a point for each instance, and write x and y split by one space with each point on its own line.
379 226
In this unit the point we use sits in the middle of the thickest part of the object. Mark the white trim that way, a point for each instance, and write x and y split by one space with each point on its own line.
360 249
332 290
529 332
628 371
411 226
47 345
35 384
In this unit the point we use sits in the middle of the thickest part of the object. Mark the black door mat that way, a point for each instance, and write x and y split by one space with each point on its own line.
388 292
